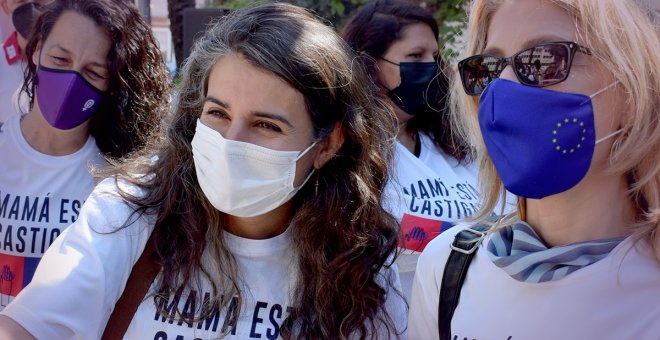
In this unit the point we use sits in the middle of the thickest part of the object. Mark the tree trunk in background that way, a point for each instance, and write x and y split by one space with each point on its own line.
175 12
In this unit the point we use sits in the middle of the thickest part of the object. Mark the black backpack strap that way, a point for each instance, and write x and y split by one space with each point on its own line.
463 249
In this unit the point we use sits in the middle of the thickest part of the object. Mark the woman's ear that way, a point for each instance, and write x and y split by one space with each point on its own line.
329 146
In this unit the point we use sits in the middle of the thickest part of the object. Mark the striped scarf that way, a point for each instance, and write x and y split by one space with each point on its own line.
519 251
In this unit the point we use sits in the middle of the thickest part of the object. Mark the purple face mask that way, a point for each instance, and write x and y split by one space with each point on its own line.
65 98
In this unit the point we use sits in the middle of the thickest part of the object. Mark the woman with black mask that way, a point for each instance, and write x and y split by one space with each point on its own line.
433 184
22 14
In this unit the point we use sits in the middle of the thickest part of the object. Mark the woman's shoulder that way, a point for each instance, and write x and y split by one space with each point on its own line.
110 201
111 191
432 152
437 251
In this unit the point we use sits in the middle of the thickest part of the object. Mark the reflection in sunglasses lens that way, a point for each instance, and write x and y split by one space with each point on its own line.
478 72
542 65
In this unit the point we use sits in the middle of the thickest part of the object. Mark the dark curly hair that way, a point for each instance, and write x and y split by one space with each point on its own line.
371 30
139 85
343 239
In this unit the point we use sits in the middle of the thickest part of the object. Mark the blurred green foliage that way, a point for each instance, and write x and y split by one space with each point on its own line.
450 15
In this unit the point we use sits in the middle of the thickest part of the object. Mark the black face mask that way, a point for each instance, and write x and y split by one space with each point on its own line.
418 88
24 17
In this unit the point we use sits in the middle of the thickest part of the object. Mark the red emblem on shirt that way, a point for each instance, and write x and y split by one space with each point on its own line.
12 49
417 232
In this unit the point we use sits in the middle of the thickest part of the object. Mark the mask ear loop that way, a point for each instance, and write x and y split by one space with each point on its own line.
609 136
428 87
597 93
600 91
313 170
306 150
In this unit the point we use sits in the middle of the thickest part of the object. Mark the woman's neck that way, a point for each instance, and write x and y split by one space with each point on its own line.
263 226
404 136
407 139
597 208
49 140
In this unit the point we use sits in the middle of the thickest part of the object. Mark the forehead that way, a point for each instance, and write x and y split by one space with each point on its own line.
79 34
517 24
416 35
247 88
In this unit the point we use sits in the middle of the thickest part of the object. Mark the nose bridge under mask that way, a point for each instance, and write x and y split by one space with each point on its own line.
65 98
418 72
243 179
418 85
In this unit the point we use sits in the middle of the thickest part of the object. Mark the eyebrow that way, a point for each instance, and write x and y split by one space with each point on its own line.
268 115
528 43
94 63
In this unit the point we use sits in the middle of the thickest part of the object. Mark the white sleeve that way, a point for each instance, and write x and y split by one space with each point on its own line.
395 304
83 273
423 317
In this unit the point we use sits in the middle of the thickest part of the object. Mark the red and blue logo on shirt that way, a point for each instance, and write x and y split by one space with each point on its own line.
17 272
418 231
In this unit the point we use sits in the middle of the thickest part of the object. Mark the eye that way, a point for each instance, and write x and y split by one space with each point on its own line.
415 55
94 75
217 113
59 61
268 126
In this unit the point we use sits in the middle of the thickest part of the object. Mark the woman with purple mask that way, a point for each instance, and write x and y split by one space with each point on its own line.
97 87
261 212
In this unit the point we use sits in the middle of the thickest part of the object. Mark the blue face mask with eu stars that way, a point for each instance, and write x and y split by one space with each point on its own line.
540 141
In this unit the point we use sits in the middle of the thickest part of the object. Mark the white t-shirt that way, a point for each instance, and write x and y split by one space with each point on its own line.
84 265
40 195
617 297
427 195
11 79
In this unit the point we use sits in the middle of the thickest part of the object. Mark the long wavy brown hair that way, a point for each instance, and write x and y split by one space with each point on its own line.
343 239
139 84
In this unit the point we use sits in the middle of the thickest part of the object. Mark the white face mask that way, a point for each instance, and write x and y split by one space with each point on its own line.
243 179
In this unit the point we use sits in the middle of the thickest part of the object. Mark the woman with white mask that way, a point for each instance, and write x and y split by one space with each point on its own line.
263 203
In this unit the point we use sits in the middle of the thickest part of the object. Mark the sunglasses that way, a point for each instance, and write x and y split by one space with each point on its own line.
542 65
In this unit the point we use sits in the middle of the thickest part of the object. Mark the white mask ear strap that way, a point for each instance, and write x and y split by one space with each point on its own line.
307 179
306 150
604 89
610 135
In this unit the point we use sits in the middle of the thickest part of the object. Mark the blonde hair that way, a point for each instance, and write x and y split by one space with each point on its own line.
624 36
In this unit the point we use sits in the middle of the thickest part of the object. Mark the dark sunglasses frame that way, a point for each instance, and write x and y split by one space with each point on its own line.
503 62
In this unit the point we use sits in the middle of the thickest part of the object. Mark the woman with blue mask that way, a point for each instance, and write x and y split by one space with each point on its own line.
433 184
579 144
97 88
260 212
